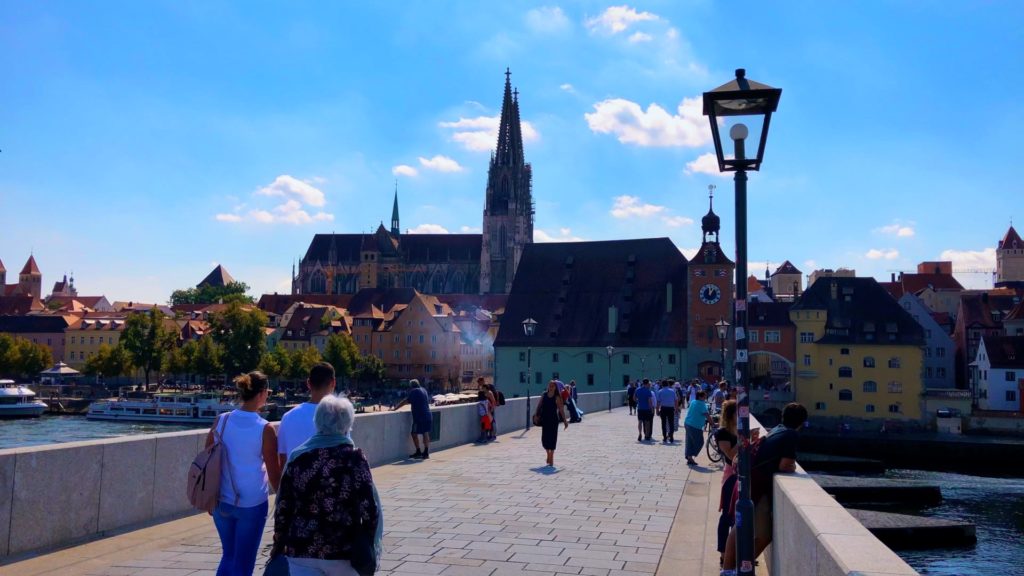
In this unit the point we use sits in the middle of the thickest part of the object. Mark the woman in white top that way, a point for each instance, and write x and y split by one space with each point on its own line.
251 464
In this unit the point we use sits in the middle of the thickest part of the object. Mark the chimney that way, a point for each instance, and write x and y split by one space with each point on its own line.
893 278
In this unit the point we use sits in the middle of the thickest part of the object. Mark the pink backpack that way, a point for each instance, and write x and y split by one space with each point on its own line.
203 489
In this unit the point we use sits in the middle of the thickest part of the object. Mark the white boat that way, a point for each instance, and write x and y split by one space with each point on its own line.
170 408
18 401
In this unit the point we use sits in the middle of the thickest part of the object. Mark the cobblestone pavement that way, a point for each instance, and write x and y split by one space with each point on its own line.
606 509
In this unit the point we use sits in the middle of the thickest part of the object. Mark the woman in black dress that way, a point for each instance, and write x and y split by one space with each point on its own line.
550 412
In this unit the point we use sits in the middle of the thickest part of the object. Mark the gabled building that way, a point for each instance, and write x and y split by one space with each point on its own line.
606 313
997 374
980 314
1010 260
859 353
710 293
939 349
771 342
30 281
933 283
93 330
1013 323
787 282
64 287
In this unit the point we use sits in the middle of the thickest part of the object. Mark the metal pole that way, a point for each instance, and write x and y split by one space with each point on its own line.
744 507
529 376
609 382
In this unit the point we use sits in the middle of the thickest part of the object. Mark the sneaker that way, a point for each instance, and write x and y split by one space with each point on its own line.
417 455
639 438
425 456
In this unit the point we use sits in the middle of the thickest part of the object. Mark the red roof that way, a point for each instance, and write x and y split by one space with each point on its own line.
31 268
915 283
19 305
894 288
1011 240
1017 313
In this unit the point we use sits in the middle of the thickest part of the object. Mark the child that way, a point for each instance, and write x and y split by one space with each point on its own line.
483 410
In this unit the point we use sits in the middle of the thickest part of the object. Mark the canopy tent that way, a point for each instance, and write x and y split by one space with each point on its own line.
62 370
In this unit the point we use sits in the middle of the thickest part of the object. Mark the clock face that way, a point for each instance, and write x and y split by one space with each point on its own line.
710 294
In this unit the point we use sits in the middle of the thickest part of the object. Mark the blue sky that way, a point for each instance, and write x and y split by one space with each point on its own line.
142 142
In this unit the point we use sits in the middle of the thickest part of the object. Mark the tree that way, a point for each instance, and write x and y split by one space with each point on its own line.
206 358
8 355
370 369
147 339
342 353
177 361
206 294
27 359
302 361
239 332
112 361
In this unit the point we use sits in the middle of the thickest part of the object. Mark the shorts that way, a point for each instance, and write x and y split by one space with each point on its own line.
422 426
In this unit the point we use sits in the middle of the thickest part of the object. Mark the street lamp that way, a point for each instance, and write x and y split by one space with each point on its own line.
742 97
529 329
611 350
723 331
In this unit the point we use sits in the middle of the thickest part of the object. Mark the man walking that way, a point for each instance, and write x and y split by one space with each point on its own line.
631 397
297 424
668 402
645 411
419 401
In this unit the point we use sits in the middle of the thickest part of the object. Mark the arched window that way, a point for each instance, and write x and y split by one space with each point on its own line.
318 283
870 386
846 395
869 362
846 372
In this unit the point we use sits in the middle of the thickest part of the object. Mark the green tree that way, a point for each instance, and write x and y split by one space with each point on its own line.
206 294
8 355
369 370
239 332
342 353
206 358
302 361
111 361
176 361
147 339
31 358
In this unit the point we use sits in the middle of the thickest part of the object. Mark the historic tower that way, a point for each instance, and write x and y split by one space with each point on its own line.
1010 260
710 289
508 209
30 281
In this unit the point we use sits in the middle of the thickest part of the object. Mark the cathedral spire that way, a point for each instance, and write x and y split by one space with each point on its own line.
510 138
395 228
711 223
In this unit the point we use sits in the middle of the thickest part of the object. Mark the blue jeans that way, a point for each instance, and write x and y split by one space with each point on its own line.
240 531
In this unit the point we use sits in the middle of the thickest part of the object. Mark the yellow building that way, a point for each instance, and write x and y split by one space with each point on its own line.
83 339
858 353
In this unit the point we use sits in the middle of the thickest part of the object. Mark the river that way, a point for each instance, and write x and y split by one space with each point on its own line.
57 429
994 505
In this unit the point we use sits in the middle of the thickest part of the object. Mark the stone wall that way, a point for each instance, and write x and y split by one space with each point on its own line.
52 496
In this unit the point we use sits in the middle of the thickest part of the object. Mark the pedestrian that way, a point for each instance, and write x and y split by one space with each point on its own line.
773 454
327 520
720 395
297 424
691 391
492 403
575 415
667 402
645 402
419 401
549 413
483 411
250 465
631 397
727 440
696 416
679 407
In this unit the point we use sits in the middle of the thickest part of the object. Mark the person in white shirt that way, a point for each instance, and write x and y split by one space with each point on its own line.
297 425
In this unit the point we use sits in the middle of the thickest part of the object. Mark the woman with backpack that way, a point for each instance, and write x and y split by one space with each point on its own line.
250 464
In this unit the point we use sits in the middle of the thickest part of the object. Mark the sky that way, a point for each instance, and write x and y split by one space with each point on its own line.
142 143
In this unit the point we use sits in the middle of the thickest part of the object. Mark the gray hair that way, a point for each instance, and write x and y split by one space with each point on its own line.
334 415
414 383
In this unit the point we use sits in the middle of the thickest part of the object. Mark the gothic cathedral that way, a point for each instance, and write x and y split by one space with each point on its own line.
437 263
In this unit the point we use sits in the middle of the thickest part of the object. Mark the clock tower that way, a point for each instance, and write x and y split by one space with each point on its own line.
710 292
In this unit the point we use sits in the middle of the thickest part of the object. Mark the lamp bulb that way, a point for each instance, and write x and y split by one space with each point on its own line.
738 132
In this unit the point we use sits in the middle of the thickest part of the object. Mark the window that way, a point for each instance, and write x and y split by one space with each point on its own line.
72 339
870 386
940 352
928 372
408 354
846 395
846 372
772 337
522 356
894 409
1011 395
397 354
869 362
625 379
522 377
671 358
433 354
397 339
554 356
753 337
433 338
894 362
807 359
928 334
895 387
421 339
940 372
90 339
408 338
819 406
806 337
844 351
927 352
537 376
590 379
625 358
869 408
1011 376
590 358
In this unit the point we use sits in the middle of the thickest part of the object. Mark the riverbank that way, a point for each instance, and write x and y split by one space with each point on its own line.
50 429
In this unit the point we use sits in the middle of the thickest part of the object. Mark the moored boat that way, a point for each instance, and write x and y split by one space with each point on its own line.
18 401
170 408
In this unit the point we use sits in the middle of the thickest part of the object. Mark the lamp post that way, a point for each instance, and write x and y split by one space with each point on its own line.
741 97
723 331
611 350
529 329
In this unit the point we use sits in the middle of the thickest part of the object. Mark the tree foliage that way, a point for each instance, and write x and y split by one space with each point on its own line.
302 361
178 360
205 357
342 353
147 339
22 358
369 370
239 332
206 294
112 361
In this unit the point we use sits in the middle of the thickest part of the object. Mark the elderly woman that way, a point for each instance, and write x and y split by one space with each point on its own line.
328 519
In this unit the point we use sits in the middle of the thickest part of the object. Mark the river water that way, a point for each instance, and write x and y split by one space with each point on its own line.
57 429
994 505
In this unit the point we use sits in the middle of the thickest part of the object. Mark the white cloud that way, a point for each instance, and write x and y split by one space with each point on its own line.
547 20
616 19
676 221
705 164
983 259
404 170
653 127
638 37
470 230
440 164
228 218
564 235
480 134
567 88
876 254
290 187
629 206
428 229
897 229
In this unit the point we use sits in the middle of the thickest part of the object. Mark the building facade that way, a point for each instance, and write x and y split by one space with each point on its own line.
1010 260
939 349
41 329
787 282
997 374
771 342
30 280
710 292
437 263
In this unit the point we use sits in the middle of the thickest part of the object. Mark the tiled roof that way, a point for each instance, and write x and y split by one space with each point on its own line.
895 289
217 277
30 324
30 266
1011 240
860 311
976 309
1017 313
304 323
279 303
568 288
915 283
769 313
1005 351
414 247
19 304
786 268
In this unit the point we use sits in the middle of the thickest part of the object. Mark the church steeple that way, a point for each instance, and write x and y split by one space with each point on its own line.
395 228
509 150
711 223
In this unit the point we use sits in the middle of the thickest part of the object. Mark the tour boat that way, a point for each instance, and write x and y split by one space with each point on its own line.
18 401
170 408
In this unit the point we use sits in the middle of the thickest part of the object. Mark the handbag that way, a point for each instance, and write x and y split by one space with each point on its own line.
536 419
364 552
277 565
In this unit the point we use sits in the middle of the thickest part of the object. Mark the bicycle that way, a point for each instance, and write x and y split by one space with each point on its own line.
711 446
